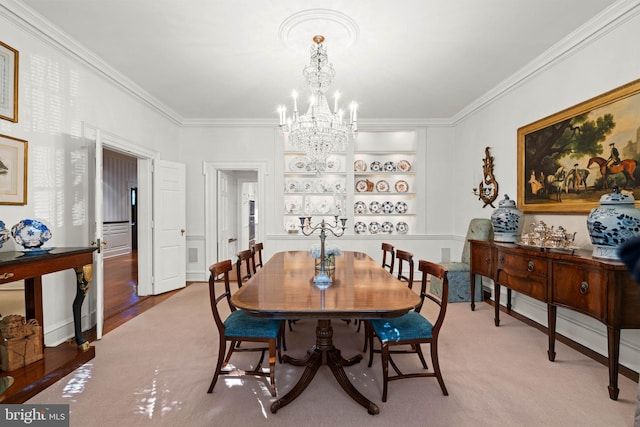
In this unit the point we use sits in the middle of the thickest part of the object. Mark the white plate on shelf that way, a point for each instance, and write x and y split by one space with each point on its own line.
404 166
323 187
323 207
401 207
382 186
376 166
292 207
402 186
359 166
361 186
333 164
374 227
292 186
359 207
387 227
402 227
308 186
389 166
388 207
375 207
339 187
298 164
360 227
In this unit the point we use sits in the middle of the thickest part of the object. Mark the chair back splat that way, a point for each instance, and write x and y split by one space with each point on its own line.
388 257
256 256
240 326
412 329
405 267
244 267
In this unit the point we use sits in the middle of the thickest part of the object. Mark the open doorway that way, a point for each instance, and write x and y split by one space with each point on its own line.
234 197
120 202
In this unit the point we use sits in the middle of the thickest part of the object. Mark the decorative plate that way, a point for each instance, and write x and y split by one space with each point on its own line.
4 233
402 227
291 207
360 207
298 164
374 227
323 187
404 166
389 166
375 207
361 186
402 186
359 166
401 207
382 186
308 186
339 187
292 186
31 234
387 227
333 164
388 207
376 166
323 207
360 227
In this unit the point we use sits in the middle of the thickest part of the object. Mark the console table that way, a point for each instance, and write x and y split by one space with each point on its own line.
599 288
30 267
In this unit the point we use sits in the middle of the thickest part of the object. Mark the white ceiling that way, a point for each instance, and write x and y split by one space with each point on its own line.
237 60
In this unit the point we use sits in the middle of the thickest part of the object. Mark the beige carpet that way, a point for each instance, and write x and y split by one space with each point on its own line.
156 368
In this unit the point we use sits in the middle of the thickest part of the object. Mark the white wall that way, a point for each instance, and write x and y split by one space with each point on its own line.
56 95
597 67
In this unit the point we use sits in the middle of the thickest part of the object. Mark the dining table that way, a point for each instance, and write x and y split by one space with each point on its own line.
360 289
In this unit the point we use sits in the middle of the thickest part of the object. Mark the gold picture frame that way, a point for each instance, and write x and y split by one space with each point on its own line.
8 83
13 171
567 161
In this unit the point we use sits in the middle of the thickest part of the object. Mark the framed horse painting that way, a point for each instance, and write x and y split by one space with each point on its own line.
568 160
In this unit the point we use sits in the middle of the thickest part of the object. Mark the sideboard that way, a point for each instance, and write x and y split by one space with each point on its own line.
599 288
57 362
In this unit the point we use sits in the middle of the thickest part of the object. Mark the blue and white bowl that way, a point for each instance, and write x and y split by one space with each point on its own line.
4 234
30 234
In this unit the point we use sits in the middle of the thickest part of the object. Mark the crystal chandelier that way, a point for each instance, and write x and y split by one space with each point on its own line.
318 132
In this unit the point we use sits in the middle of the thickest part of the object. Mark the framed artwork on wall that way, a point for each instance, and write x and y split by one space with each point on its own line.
8 83
13 171
568 160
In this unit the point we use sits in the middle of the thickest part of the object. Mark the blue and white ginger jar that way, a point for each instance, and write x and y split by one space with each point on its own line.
614 222
507 221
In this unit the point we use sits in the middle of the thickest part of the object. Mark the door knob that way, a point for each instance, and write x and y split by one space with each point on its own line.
182 230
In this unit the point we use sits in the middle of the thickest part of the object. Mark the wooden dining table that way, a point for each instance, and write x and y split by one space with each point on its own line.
361 289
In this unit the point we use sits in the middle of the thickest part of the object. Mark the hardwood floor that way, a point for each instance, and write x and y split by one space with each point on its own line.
121 300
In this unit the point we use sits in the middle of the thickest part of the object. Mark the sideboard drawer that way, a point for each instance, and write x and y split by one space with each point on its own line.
580 288
524 274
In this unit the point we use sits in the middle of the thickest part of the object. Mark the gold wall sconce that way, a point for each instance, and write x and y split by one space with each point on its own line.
487 190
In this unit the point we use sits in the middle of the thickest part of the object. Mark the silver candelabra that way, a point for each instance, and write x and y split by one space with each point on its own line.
322 279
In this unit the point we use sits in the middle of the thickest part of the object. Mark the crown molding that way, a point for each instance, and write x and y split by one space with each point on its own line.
596 27
599 25
34 24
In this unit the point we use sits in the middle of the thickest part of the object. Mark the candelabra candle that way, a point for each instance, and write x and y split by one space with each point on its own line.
322 279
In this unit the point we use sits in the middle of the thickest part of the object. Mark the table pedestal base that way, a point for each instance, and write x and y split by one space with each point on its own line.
324 353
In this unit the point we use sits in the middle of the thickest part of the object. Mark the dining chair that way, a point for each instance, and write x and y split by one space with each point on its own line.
387 252
244 266
240 326
412 329
256 256
405 274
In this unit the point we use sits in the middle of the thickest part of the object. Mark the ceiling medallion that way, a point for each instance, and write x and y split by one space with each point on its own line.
340 28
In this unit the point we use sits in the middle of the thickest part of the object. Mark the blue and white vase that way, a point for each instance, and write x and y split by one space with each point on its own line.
4 234
615 221
507 221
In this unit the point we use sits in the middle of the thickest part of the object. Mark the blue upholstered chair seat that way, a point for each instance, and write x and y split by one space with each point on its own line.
241 324
408 327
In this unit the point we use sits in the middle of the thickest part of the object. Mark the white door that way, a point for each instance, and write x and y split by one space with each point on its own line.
169 219
98 270
226 214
